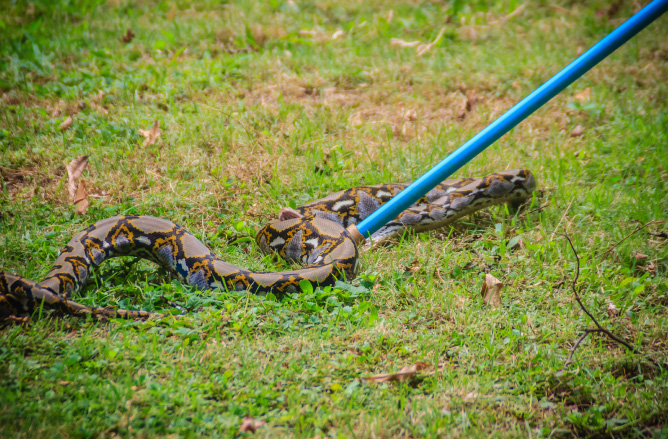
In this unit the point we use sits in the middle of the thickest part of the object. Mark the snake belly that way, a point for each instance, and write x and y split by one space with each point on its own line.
315 235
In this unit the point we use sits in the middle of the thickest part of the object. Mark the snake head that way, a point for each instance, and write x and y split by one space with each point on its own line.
308 239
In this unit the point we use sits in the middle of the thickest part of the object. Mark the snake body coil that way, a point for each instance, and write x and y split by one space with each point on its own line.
314 234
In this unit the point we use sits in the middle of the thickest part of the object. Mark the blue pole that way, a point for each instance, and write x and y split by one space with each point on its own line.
512 117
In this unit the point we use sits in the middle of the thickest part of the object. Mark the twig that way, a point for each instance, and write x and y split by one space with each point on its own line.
537 209
598 328
639 228
569 360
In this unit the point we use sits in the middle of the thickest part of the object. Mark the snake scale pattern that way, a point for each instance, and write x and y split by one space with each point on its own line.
321 235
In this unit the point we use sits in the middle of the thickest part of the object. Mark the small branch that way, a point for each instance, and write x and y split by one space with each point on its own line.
569 360
598 328
639 228
538 209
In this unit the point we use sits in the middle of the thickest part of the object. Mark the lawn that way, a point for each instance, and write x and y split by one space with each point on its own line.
265 104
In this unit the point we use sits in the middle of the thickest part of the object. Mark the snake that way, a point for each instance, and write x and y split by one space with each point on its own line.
321 235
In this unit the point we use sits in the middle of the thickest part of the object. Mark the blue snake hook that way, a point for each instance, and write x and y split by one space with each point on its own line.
510 119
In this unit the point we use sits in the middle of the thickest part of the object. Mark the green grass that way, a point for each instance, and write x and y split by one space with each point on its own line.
256 116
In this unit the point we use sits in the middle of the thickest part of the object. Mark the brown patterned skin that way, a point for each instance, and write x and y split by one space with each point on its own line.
444 204
313 234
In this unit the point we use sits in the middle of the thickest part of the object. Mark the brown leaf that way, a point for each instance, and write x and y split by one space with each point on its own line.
612 310
66 123
401 376
74 170
491 290
81 202
14 319
640 256
128 37
410 115
249 424
663 234
151 135
610 11
471 100
583 95
577 131
466 107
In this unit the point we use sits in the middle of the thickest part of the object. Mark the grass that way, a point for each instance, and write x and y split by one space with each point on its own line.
258 114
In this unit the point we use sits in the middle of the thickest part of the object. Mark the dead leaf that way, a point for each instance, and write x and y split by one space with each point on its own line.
66 123
410 115
577 131
663 235
465 109
421 50
128 37
338 34
610 11
401 376
491 290
14 319
413 267
250 425
612 310
81 202
471 99
584 95
403 43
74 170
151 135
640 256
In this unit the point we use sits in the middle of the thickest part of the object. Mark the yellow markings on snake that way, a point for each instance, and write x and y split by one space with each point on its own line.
314 234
